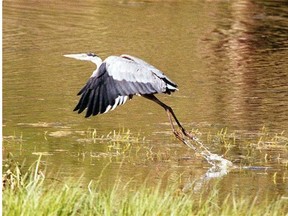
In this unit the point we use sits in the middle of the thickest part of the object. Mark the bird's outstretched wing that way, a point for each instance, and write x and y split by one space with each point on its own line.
157 72
116 81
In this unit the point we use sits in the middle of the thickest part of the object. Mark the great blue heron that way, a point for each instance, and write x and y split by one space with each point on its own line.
117 79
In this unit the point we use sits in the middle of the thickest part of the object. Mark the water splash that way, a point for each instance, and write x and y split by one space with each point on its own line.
219 165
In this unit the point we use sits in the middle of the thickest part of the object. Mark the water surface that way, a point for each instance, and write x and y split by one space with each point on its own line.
230 60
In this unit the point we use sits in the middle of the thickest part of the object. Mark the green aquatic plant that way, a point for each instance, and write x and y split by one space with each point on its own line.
34 196
14 179
27 191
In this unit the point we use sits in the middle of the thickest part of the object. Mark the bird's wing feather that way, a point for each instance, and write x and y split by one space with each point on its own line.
157 72
116 81
125 69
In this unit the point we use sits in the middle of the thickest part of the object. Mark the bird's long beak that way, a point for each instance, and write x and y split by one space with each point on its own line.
81 56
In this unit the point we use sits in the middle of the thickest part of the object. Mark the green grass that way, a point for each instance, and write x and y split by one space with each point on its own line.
31 194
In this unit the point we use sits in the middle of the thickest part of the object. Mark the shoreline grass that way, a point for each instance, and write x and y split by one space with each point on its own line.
28 194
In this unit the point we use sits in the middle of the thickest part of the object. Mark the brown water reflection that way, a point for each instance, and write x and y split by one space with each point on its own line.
249 66
228 58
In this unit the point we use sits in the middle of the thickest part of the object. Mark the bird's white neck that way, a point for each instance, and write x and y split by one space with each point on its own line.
97 60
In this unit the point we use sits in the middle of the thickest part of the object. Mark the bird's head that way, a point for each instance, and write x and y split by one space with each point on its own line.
86 57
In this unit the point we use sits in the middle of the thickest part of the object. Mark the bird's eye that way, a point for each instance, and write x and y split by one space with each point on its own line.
91 54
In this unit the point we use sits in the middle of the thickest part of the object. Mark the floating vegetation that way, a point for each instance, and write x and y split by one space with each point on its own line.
60 133
121 143
42 153
123 135
262 147
44 125
13 138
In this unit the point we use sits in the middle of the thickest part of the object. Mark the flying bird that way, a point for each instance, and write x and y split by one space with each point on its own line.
117 79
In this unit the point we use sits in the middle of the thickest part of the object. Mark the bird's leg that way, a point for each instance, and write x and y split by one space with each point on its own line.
170 112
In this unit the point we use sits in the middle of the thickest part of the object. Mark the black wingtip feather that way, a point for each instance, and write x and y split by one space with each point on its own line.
76 108
87 115
90 103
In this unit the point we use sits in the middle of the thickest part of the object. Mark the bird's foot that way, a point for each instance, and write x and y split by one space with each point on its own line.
187 134
178 135
182 135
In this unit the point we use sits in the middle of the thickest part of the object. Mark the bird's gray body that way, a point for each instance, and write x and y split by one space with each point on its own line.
117 79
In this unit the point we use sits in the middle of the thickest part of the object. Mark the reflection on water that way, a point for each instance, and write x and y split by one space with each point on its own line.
252 71
228 58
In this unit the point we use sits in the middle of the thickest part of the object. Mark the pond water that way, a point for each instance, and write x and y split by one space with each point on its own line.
229 59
